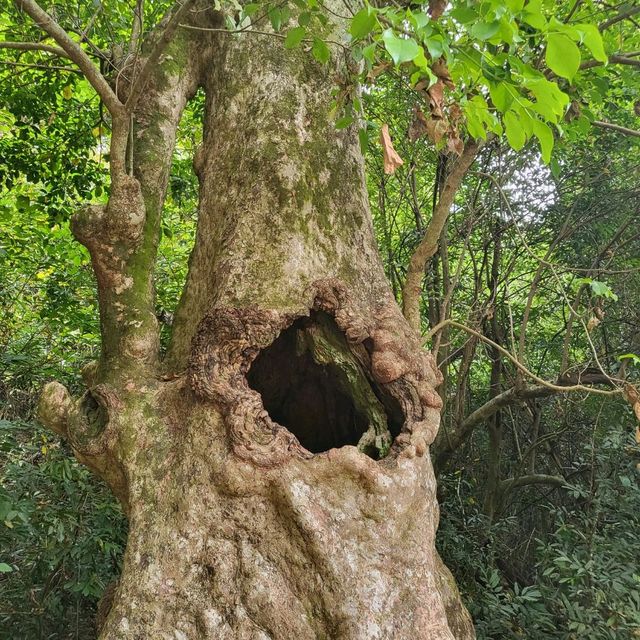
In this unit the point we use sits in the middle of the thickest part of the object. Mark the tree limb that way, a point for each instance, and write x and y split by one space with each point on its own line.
549 385
429 243
618 18
34 46
536 478
616 127
172 23
614 59
75 52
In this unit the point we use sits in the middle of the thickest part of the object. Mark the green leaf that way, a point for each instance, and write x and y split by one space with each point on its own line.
485 30
363 137
320 50
275 17
362 23
501 96
603 289
533 15
344 122
5 568
369 53
515 133
400 49
294 37
304 19
562 56
249 9
593 41
435 46
545 138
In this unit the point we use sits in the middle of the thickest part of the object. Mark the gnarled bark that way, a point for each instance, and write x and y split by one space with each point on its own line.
256 513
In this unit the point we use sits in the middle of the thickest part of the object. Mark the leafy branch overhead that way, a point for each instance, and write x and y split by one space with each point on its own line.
515 69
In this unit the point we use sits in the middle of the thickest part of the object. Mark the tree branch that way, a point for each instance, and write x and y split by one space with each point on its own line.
559 388
34 46
618 18
172 23
616 127
75 52
429 243
614 59
536 478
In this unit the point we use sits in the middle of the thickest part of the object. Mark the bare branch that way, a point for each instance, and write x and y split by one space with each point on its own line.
75 52
136 30
48 67
429 243
559 388
536 478
34 46
614 59
618 18
616 127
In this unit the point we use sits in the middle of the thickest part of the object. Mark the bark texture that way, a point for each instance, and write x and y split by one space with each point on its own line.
237 530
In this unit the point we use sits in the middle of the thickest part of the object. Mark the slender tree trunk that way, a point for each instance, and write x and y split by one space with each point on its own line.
275 466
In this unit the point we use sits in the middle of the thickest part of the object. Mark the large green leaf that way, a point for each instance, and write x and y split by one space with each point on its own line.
515 133
593 41
294 37
545 138
362 23
400 49
562 56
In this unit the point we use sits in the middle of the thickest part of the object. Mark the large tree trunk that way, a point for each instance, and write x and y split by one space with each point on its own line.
275 465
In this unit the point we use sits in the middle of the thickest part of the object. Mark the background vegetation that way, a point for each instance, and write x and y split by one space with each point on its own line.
540 500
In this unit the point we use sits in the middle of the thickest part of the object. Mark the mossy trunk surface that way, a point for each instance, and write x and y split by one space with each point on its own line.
274 465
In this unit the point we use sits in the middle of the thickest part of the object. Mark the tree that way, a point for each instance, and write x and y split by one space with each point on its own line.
235 528
250 515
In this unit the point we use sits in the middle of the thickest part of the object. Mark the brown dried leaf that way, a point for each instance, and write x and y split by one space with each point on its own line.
437 7
391 159
441 71
436 97
378 69
418 126
454 142
455 114
593 323
436 129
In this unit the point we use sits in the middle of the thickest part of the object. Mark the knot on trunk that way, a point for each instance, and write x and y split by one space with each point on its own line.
84 422
100 228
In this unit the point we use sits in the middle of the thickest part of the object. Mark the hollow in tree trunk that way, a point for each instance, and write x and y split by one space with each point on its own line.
274 464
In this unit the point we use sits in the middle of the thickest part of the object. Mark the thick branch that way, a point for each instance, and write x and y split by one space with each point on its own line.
151 62
429 243
75 52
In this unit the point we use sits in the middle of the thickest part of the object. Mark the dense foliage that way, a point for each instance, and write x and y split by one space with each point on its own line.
540 256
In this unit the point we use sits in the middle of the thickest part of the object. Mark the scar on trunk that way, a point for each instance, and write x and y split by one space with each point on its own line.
302 384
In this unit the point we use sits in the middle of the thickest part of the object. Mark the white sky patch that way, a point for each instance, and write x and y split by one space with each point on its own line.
531 190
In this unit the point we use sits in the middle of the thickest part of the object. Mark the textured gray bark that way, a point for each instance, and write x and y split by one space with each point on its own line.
237 531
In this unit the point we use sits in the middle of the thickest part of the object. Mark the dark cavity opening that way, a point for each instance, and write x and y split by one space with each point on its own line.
314 385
